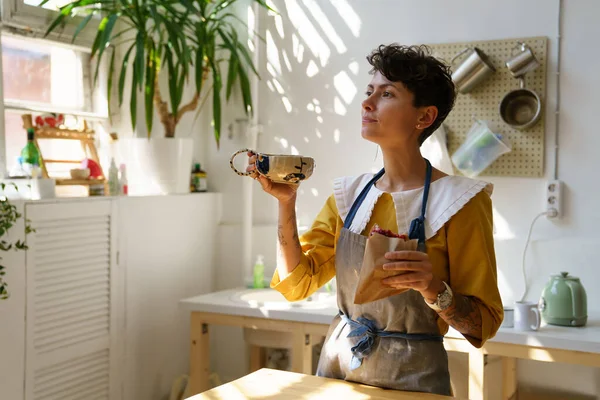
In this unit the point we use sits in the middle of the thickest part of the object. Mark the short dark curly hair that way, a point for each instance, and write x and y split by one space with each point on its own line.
426 77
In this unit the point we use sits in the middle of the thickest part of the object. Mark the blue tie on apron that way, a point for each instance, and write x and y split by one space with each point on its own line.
364 327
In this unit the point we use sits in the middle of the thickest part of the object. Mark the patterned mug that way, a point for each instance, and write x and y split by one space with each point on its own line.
280 168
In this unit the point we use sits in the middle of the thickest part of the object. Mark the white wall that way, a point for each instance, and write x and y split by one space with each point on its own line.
568 244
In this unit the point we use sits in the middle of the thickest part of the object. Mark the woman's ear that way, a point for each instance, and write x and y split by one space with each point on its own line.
427 117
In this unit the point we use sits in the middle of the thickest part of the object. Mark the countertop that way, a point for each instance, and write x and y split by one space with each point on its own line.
586 339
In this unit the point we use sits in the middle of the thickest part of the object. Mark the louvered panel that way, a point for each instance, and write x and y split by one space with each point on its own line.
65 288
71 261
55 303
76 240
70 301
68 223
78 333
83 298
68 252
78 378
69 270
75 278
80 308
53 327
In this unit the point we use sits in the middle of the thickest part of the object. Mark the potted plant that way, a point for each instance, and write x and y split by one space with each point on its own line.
188 40
9 215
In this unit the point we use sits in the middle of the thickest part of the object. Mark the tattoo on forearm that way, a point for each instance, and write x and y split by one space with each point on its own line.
289 225
282 240
464 316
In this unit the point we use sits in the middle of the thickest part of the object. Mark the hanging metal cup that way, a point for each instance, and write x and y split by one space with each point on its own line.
474 68
522 62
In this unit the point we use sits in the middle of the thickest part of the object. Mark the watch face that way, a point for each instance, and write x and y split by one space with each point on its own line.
445 299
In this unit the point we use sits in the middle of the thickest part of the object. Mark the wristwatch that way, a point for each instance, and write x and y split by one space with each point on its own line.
443 301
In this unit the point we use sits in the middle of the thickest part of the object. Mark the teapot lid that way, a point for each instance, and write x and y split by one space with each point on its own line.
565 275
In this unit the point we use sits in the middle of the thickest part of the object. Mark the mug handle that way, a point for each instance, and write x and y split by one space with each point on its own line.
460 53
537 323
233 156
522 45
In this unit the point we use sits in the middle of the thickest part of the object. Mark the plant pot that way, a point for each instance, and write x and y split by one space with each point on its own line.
156 166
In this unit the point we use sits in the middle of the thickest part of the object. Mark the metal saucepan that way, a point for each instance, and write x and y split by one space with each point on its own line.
473 70
521 108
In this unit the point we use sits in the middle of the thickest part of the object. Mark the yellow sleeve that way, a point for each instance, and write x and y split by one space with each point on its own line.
317 263
472 262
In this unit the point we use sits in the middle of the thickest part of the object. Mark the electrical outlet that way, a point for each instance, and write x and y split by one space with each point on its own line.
554 199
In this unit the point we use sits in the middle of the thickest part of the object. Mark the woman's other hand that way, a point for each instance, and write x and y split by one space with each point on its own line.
415 273
281 191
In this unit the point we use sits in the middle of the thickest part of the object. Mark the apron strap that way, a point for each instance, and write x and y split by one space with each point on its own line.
417 226
359 200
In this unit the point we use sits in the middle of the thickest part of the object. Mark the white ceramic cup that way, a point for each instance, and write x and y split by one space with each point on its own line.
509 318
527 316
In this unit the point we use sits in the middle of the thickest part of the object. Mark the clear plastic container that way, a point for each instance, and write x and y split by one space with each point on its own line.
481 148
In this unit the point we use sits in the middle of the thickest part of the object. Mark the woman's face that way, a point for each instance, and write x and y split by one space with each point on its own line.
388 115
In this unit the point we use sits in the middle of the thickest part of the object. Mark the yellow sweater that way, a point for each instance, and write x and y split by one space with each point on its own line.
461 252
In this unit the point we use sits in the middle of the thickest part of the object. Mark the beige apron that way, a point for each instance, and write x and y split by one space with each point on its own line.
391 343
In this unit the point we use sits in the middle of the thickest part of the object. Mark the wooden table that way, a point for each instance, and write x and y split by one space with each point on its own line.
267 384
579 346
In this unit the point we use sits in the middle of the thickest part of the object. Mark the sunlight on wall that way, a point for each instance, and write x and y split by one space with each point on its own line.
288 64
502 230
297 48
314 191
273 53
323 21
278 86
354 67
336 135
345 86
318 133
312 69
349 16
279 26
338 107
307 32
287 104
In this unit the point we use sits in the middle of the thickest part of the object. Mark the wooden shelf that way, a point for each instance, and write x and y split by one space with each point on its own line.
81 182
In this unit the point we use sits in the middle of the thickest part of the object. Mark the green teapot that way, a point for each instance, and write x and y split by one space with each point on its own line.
564 301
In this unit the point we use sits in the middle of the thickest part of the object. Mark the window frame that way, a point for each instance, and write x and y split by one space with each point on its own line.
27 20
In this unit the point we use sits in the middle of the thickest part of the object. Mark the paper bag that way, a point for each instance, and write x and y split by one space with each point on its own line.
370 287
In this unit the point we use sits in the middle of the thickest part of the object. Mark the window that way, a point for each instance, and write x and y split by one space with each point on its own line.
41 77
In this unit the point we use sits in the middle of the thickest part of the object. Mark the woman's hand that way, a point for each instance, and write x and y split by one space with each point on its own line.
281 191
416 273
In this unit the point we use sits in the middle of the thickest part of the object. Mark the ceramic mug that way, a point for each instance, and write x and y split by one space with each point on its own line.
279 168
527 316
509 318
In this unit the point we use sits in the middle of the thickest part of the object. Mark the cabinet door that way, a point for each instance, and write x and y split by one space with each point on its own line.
73 302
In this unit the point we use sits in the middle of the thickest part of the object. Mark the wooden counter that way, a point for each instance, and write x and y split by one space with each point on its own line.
266 384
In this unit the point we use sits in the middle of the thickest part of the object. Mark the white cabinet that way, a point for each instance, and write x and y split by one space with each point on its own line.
94 308
74 297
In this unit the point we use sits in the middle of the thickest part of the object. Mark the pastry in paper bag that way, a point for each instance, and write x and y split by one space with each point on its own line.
369 286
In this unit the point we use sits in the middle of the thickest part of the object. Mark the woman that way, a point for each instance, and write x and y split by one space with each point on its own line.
397 342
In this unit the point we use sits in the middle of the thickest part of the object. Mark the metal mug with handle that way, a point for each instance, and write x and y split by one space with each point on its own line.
473 70
280 168
523 62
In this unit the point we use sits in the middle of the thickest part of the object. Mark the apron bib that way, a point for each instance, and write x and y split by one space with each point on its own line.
391 343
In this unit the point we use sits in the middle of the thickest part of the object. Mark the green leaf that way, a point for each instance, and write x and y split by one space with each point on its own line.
216 101
245 89
199 68
149 89
172 73
111 72
124 73
138 65
231 74
99 36
133 103
82 25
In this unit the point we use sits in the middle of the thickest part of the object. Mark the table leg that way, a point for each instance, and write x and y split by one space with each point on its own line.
476 375
509 378
302 353
199 356
257 358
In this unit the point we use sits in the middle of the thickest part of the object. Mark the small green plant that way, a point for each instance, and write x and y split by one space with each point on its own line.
8 218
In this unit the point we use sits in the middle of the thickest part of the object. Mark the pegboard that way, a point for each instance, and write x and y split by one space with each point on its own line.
527 155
